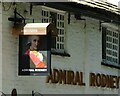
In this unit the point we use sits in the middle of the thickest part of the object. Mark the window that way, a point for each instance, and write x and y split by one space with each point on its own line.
58 18
110 47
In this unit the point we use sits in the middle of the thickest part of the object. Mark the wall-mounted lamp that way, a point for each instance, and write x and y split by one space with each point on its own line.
20 28
18 21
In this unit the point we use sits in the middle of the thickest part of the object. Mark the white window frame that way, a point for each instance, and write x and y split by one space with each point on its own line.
112 44
60 41
109 41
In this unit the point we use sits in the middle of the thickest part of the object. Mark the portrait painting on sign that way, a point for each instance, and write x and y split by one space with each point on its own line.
34 55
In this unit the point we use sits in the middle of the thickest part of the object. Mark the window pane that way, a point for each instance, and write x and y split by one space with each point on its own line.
109 39
114 53
109 45
53 42
62 31
115 47
112 46
60 26
109 52
115 40
57 46
58 20
115 34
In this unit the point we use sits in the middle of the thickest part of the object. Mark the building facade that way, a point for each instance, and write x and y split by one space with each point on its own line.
85 55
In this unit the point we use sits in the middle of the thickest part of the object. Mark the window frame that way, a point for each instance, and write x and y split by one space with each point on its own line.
104 28
56 51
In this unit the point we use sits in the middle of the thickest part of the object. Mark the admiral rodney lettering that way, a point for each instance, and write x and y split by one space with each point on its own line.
66 77
77 78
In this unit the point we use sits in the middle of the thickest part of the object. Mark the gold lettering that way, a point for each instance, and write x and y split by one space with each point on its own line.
62 76
108 81
114 81
111 81
77 78
71 77
103 80
92 79
117 82
49 78
68 77
81 79
98 80
56 75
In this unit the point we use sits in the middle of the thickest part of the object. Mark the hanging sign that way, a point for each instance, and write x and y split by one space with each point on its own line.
35 49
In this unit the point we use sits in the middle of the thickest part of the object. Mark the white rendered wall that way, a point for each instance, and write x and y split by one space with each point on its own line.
83 43
1 47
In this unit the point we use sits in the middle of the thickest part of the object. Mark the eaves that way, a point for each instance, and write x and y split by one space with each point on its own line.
102 11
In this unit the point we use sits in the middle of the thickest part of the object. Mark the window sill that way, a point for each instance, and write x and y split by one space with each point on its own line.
110 65
60 54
